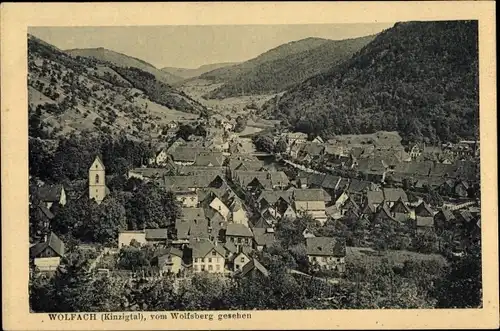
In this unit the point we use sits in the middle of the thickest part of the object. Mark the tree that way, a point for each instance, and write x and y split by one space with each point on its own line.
185 131
74 219
132 258
152 206
281 146
461 287
425 242
263 143
108 220
241 123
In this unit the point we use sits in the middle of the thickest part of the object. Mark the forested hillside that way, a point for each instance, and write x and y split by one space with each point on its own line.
286 71
68 94
125 61
225 74
417 78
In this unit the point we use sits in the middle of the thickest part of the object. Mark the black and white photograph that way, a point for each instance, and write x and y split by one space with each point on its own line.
302 167
209 172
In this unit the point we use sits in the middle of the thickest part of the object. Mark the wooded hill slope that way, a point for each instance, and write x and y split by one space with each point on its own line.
125 61
417 78
68 94
286 69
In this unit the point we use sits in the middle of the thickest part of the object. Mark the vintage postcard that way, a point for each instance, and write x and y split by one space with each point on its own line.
211 166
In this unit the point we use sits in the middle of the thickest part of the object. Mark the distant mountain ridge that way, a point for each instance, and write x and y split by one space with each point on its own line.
195 72
417 78
123 60
227 73
283 72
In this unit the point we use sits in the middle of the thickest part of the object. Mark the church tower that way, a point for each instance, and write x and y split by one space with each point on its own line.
97 176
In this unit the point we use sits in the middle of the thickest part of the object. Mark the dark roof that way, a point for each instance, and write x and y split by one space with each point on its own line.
152 172
261 223
272 196
466 215
309 195
201 170
447 214
394 194
185 154
50 193
357 185
316 179
230 247
152 234
330 182
190 214
202 247
326 246
45 211
238 230
383 209
179 183
263 237
168 251
253 265
400 207
207 158
53 242
424 209
313 148
374 197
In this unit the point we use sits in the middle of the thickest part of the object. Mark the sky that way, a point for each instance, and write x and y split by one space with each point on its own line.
191 46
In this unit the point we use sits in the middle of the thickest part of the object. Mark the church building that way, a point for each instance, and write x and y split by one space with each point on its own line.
97 177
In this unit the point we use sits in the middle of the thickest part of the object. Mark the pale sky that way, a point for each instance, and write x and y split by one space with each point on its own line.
192 46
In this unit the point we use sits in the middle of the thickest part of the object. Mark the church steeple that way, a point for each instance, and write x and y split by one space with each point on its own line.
97 180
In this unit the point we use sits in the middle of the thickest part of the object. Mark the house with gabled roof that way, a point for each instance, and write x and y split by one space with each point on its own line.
169 260
466 219
207 256
383 216
374 199
161 156
191 183
238 211
444 219
400 211
148 174
391 195
310 151
209 159
311 201
185 155
253 269
290 212
326 253
263 237
239 234
424 210
350 204
359 187
424 224
156 236
240 258
217 204
52 194
47 255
